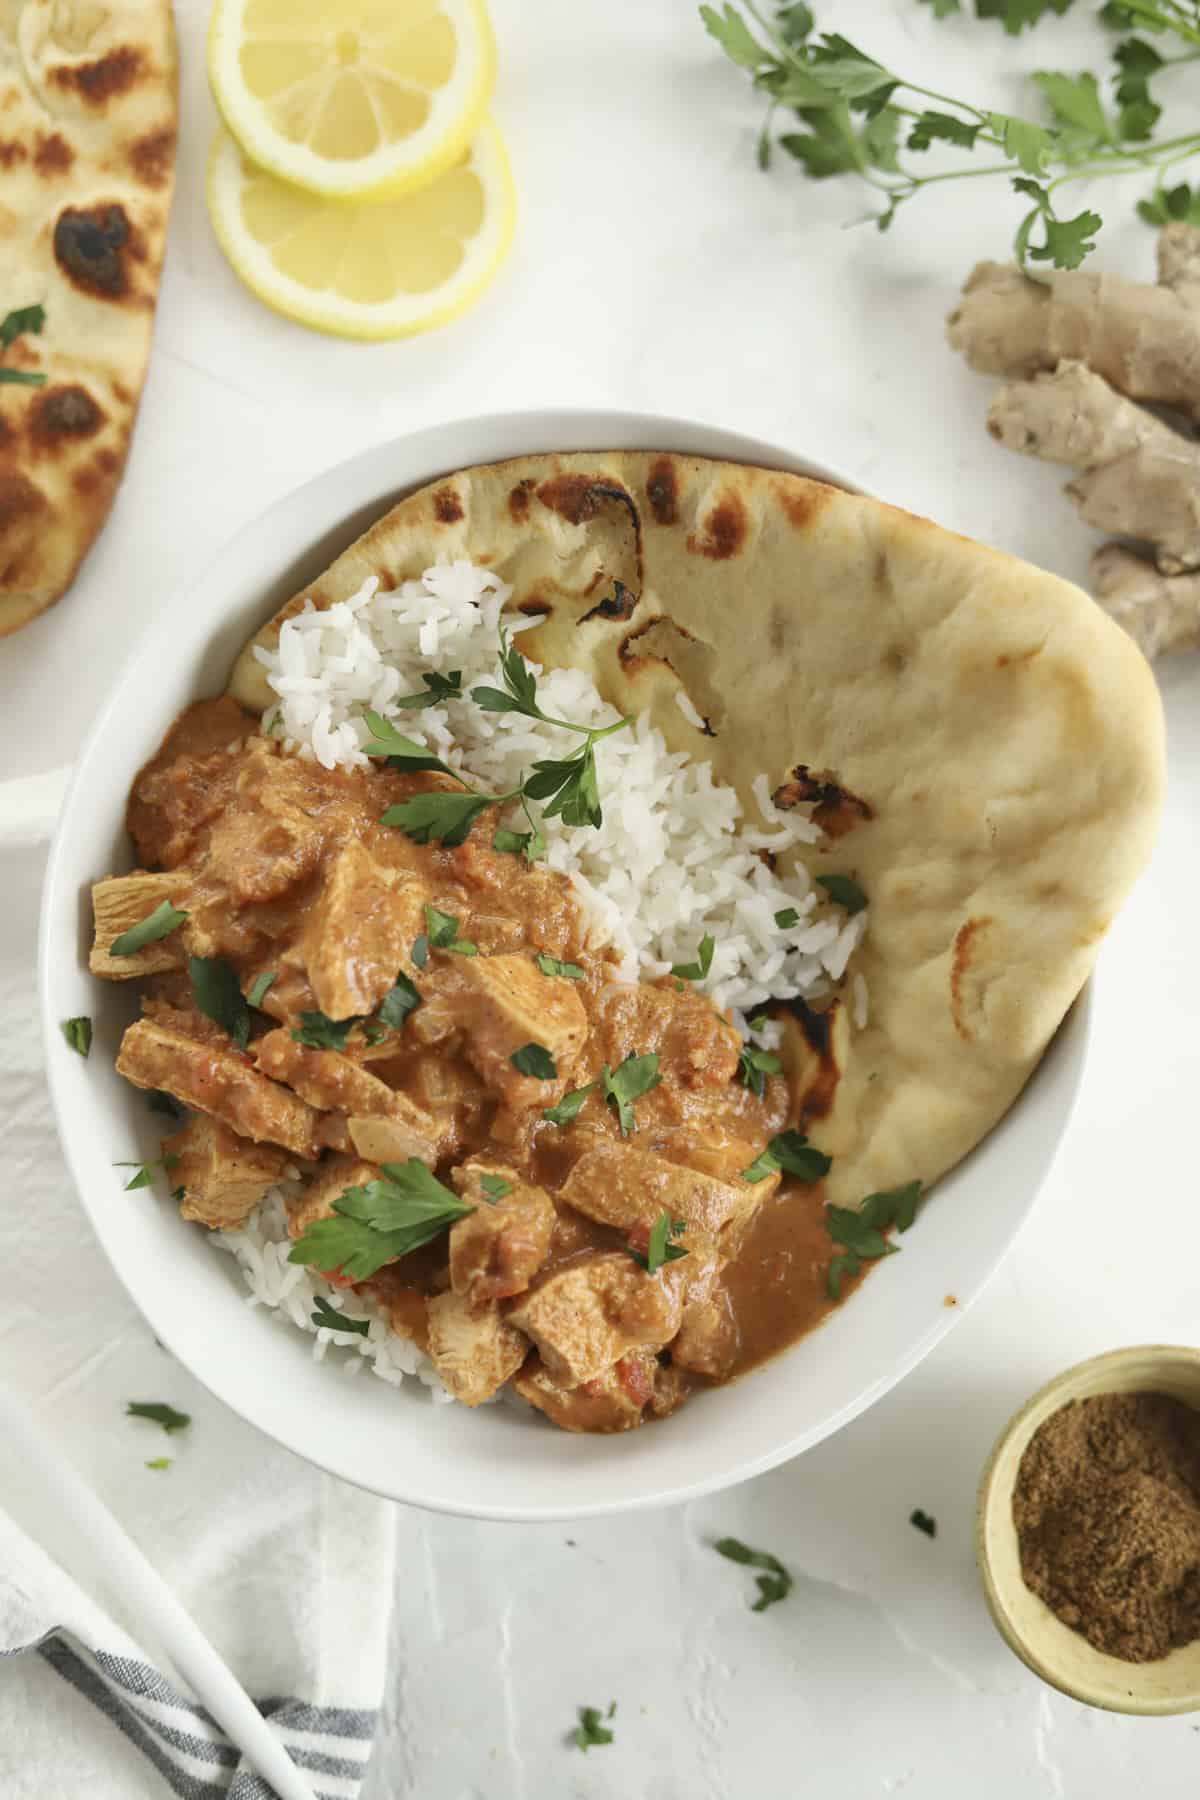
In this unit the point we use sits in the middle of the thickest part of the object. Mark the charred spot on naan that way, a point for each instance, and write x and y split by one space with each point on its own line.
61 415
95 246
447 506
519 500
102 80
152 157
722 530
585 500
12 152
52 155
835 809
620 604
662 491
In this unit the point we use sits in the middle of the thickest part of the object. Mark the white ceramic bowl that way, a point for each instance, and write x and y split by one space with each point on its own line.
495 1463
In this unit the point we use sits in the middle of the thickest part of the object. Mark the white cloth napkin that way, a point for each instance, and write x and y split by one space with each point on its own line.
287 1571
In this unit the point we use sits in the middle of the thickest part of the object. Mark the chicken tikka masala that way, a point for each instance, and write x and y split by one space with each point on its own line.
544 1175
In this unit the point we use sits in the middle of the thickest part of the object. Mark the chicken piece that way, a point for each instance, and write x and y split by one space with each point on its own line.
361 931
474 1352
218 1080
315 1201
223 1176
503 1003
121 901
168 1000
622 1186
696 1046
618 1400
271 833
585 1317
335 1083
497 1251
708 1339
187 782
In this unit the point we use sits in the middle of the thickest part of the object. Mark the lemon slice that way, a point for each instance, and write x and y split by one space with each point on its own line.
377 271
352 99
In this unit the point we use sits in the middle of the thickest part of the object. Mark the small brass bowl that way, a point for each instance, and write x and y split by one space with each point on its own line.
1051 1649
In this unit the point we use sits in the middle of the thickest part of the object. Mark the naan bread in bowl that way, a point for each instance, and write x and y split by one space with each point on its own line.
982 747
88 119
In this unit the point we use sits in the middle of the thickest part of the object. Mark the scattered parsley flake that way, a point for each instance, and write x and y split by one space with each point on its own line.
924 1522
158 1413
774 1586
261 986
78 1033
495 1187
324 1315
566 971
159 924
568 1108
407 1206
534 1060
754 1065
399 1004
443 933
843 892
636 1076
696 971
319 1032
218 993
660 1249
591 1730
791 1153
159 1462
787 918
861 1231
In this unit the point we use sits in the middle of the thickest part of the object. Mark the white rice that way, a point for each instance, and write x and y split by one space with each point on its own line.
675 859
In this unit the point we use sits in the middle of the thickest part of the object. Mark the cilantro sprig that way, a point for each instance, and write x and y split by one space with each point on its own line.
145 1170
789 1153
591 1730
858 116
386 1218
158 1413
159 924
754 1065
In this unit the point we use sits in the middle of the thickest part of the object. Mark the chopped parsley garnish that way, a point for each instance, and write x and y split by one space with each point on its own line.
218 994
374 1032
754 1065
924 1522
443 933
787 918
166 1104
495 1187
21 320
568 1108
566 971
843 892
159 1462
696 971
21 378
78 1033
395 1007
158 1414
261 986
145 1170
660 1249
178 1195
792 1153
437 688
860 1231
319 1032
775 1585
159 924
635 1077
591 1729
439 818
372 1225
328 1316
535 1060
420 951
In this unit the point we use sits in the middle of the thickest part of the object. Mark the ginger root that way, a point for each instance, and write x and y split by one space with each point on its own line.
1140 479
1087 347
1144 340
1160 612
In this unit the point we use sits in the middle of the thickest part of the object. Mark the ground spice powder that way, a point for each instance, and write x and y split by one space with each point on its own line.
1107 1511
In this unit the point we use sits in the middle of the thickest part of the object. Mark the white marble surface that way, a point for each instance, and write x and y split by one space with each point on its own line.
656 268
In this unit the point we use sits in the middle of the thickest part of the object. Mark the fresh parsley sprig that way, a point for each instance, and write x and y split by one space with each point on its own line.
860 117
636 1076
373 1224
660 1245
754 1065
792 1154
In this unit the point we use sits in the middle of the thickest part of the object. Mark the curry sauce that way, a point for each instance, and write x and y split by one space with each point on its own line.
339 1005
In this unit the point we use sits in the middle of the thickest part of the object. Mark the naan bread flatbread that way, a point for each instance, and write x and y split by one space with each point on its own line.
982 745
88 117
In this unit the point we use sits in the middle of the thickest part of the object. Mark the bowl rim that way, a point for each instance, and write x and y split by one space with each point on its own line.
565 429
1053 1394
